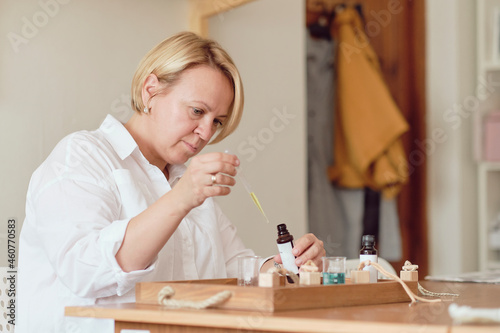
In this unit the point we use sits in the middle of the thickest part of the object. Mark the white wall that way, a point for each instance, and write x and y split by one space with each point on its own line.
451 78
66 75
266 40
77 65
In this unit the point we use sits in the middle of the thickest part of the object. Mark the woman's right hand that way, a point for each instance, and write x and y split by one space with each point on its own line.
148 232
197 184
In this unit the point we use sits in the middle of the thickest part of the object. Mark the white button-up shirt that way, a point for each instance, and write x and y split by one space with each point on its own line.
79 203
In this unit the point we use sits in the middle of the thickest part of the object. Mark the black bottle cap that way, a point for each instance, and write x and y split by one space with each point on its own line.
282 230
282 227
368 240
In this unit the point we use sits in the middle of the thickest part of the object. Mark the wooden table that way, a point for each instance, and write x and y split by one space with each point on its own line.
398 317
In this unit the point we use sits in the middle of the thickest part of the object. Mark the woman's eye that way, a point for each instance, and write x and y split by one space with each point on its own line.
197 111
217 122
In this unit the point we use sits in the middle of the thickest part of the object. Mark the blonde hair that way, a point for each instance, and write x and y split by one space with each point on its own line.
169 59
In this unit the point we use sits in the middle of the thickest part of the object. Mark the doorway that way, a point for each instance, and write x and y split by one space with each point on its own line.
396 32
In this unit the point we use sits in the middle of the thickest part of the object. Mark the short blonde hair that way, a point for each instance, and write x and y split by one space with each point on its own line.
169 59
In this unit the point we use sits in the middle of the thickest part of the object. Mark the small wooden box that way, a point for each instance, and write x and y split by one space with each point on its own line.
360 276
409 275
269 280
283 298
310 278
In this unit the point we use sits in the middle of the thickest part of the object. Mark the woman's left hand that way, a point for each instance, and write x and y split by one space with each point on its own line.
307 247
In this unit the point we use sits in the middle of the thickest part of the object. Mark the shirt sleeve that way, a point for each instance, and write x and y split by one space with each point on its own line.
78 228
233 245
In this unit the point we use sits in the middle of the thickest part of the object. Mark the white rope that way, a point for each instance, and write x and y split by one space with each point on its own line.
408 267
165 294
426 292
410 293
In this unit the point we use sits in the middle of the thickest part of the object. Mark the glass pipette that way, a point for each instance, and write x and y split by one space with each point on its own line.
243 179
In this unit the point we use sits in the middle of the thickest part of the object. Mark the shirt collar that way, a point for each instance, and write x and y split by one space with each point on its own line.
175 172
118 136
124 144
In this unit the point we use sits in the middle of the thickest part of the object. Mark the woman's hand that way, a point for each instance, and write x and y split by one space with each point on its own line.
207 175
148 232
307 247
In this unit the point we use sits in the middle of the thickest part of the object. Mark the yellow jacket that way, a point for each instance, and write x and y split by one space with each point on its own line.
368 125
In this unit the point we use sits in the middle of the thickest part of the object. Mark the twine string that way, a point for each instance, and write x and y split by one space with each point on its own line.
165 294
426 292
408 267
410 293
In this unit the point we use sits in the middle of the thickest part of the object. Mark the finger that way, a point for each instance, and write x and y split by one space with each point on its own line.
302 244
224 180
220 167
213 166
217 156
314 250
214 191
277 258
212 180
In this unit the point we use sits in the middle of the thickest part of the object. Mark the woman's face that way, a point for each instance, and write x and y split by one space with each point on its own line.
184 118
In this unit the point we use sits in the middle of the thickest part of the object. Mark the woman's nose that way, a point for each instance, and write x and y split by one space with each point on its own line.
205 129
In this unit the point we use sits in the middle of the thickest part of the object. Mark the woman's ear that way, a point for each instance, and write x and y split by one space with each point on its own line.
149 88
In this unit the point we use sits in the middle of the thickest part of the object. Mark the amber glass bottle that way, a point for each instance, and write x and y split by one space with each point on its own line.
369 252
285 246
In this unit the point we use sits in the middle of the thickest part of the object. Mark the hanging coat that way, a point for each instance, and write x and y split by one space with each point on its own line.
368 125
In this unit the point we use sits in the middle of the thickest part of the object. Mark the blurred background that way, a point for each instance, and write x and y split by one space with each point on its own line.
65 65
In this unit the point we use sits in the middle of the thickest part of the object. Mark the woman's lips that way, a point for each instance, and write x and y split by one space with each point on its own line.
191 147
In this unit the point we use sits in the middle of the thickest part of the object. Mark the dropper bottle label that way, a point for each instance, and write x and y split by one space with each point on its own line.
369 252
285 246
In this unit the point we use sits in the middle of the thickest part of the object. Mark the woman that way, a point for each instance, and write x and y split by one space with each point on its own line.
117 206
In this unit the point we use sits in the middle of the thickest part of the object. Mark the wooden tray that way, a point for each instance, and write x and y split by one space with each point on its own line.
289 297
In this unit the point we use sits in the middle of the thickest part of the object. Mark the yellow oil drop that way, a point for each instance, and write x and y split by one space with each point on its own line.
256 201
